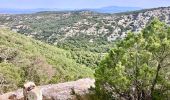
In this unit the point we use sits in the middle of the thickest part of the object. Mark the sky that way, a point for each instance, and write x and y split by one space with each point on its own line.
80 4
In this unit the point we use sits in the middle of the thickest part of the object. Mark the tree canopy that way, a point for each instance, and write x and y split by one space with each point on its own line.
138 67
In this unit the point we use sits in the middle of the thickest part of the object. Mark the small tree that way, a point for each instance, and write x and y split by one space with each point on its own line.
137 68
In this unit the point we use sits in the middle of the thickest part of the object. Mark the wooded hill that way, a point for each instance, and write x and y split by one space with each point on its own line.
22 59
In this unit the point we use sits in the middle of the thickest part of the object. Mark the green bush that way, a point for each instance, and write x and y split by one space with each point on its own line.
137 67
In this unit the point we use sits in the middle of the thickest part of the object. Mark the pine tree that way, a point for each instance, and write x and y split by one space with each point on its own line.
138 67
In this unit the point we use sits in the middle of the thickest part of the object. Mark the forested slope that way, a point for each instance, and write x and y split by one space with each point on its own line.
22 59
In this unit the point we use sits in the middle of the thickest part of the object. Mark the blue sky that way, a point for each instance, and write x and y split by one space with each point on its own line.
78 4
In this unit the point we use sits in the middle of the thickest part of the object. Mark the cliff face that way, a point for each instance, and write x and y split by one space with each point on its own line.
74 90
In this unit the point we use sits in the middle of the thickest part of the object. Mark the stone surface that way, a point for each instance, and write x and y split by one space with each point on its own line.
73 90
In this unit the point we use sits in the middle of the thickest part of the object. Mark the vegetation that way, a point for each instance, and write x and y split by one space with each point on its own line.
85 52
24 59
138 67
82 31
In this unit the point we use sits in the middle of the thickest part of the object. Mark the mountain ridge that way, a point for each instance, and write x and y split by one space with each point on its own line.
115 9
108 9
86 30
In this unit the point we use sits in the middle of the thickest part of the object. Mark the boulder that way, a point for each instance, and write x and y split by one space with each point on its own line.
73 90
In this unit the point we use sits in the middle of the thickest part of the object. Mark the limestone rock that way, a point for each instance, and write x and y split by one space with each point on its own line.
74 90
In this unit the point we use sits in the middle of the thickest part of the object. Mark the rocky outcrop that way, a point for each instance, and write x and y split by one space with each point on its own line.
74 90
64 25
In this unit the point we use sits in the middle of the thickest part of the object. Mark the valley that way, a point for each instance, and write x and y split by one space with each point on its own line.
58 46
88 35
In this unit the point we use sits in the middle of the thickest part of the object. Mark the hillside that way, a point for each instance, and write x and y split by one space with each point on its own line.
87 35
70 45
65 27
22 59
